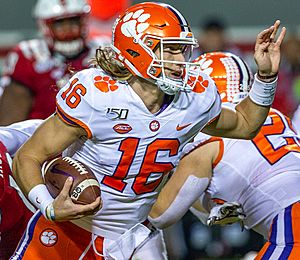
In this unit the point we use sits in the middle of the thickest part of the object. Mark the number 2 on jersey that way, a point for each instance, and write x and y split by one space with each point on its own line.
278 127
141 184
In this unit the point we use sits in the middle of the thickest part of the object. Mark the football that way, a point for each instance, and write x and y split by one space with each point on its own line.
85 188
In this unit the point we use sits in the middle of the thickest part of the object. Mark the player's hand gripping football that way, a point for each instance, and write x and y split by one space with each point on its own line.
226 214
267 50
65 209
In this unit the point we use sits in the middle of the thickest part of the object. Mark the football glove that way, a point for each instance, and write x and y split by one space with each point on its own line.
226 214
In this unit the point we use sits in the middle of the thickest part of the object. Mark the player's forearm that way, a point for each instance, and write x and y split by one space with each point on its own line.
164 213
254 109
26 171
249 115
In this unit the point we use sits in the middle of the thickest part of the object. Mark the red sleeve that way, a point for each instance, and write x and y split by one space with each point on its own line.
12 207
19 67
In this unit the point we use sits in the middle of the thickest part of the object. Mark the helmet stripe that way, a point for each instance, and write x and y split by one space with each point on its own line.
250 77
243 70
182 21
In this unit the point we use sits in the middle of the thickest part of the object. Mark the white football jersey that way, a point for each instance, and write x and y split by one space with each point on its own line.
262 174
129 149
296 119
15 135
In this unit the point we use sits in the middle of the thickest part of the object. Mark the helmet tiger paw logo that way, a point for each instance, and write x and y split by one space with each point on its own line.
48 237
205 66
134 24
105 84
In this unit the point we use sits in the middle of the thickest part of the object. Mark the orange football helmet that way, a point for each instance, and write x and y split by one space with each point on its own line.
144 27
231 74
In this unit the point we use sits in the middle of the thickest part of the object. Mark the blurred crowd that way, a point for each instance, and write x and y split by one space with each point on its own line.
188 239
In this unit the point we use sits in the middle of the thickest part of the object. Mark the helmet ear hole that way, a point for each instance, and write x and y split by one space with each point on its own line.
133 53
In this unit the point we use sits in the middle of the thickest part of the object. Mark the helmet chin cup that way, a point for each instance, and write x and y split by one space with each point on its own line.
171 86
167 86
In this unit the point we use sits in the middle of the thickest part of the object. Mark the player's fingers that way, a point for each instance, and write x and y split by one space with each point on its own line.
90 208
263 35
96 204
281 36
67 187
275 26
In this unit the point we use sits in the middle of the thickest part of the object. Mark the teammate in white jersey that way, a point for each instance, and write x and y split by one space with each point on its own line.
262 174
128 121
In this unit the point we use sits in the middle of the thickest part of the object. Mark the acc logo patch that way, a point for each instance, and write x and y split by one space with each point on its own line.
48 237
122 128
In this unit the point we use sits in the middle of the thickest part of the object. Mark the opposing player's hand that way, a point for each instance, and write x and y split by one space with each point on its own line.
65 209
267 50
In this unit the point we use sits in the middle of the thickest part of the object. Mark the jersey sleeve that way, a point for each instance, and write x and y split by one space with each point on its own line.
11 140
74 102
15 135
19 67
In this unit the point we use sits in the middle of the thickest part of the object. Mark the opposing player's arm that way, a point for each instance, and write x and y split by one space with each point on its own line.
49 140
189 181
15 103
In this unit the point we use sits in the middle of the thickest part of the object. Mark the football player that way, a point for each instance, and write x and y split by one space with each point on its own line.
128 120
15 210
261 176
35 68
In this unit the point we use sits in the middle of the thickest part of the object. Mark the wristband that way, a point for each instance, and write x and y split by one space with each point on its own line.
40 197
263 93
50 214
267 77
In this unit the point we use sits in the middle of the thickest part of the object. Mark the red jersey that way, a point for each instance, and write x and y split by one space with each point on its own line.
13 212
31 64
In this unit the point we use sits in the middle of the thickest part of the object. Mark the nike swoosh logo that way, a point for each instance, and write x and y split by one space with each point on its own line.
58 171
37 200
180 127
